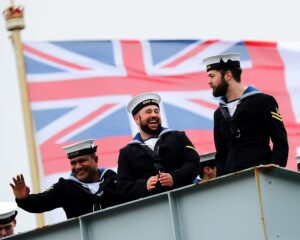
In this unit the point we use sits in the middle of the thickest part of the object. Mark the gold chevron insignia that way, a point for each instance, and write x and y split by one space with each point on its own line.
276 115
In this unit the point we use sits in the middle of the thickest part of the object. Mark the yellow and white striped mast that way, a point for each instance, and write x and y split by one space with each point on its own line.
14 17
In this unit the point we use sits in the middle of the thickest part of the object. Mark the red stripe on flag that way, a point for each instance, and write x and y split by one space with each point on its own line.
190 54
205 103
101 86
52 58
133 59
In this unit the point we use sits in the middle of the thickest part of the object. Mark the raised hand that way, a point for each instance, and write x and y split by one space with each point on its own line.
19 187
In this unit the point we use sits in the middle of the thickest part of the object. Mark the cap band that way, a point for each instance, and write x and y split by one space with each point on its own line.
223 65
82 152
144 104
8 219
208 163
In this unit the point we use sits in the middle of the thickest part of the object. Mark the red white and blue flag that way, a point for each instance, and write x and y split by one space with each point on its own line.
80 89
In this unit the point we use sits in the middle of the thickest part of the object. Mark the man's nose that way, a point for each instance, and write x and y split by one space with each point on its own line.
154 113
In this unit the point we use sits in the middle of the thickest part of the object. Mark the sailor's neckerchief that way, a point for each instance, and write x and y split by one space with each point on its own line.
249 91
102 172
138 139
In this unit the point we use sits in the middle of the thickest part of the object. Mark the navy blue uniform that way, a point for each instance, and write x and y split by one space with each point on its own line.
137 163
74 196
243 140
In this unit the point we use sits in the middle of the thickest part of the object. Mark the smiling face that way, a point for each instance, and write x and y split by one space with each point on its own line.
217 83
85 168
148 119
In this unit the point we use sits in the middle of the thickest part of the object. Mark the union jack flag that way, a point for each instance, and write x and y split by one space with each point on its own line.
80 89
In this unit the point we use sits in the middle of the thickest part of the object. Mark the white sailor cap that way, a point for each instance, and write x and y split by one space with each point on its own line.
224 61
80 148
207 159
142 100
8 212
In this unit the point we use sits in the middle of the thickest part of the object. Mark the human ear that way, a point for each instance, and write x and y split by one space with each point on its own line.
206 169
96 158
136 118
228 75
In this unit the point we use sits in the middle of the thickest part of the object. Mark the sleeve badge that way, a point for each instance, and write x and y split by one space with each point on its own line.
276 115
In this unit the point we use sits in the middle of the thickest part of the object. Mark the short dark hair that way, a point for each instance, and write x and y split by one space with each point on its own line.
236 73
210 165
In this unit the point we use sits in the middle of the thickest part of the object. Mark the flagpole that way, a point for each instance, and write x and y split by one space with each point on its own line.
15 23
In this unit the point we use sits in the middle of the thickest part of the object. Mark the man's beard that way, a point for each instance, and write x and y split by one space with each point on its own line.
146 129
221 90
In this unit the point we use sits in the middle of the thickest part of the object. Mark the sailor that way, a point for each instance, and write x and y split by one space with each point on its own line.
208 168
245 121
87 189
8 213
157 159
